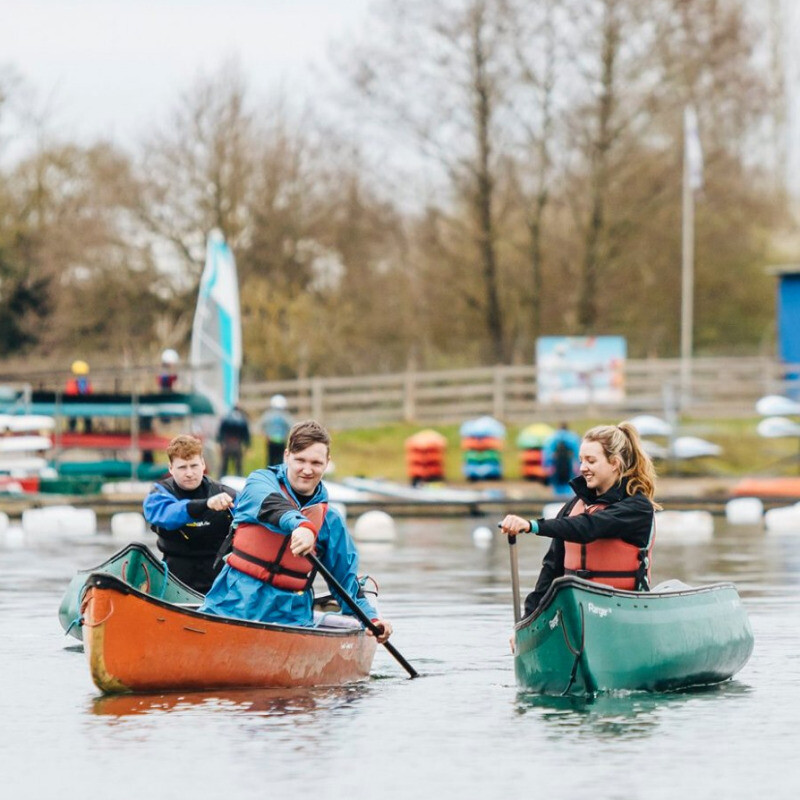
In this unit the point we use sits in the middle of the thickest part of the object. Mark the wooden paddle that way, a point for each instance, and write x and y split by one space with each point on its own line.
354 607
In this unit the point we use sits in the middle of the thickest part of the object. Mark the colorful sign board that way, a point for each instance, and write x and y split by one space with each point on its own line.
580 369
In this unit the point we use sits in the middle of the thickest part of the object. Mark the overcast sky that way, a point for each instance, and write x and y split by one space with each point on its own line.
113 68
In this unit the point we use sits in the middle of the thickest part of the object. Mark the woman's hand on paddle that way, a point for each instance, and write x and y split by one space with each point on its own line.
303 541
219 502
513 525
384 626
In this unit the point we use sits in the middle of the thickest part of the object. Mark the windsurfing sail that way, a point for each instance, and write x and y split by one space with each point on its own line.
216 349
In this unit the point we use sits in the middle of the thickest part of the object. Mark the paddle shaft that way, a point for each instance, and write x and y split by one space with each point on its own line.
512 549
354 607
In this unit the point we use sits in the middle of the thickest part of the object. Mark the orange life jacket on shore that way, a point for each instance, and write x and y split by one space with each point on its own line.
608 561
264 553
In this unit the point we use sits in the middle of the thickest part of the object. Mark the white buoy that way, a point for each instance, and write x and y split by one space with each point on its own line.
375 526
3 522
482 537
127 525
14 536
34 520
744 511
80 522
550 510
52 520
785 519
684 526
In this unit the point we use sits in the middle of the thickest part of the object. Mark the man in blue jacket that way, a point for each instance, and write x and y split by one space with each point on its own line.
190 513
281 515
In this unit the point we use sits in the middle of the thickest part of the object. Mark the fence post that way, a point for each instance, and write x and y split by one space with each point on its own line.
317 399
499 400
409 396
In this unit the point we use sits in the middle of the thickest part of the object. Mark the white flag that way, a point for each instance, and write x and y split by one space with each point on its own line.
694 151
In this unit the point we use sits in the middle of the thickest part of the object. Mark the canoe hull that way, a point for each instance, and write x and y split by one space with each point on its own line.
136 565
587 638
134 642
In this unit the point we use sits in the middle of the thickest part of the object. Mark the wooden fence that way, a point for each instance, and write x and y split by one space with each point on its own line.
717 387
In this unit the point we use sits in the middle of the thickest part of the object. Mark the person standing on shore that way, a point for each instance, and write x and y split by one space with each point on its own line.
275 424
233 438
605 533
560 457
78 385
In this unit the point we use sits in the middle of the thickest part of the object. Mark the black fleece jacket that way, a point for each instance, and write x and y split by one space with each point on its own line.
626 517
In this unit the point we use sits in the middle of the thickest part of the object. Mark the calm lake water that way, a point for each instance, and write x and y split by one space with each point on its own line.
462 730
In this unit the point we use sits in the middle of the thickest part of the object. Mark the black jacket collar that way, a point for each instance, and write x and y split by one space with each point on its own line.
616 493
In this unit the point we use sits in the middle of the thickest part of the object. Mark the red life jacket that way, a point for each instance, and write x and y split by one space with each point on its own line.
265 554
79 385
608 561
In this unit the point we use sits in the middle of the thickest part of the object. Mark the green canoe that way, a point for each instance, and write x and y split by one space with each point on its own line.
586 638
137 566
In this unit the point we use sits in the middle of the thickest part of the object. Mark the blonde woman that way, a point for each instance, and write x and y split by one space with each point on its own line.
605 533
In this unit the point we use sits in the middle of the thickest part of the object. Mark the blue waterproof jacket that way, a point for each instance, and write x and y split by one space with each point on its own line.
261 501
185 525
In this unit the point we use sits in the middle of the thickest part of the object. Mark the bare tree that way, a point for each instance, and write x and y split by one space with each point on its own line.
197 169
534 36
434 75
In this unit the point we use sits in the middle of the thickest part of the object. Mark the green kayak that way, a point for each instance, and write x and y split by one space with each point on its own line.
586 638
136 565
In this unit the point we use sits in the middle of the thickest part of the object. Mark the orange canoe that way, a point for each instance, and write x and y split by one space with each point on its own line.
137 643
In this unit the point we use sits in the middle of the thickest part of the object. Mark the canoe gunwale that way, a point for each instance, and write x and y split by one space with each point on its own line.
103 580
573 582
69 614
148 554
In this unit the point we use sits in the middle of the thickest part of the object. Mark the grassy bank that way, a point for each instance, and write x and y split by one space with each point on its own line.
379 452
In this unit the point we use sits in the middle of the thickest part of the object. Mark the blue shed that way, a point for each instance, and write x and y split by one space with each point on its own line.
788 327
788 316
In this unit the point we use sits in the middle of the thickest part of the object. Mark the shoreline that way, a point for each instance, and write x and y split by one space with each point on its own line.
513 496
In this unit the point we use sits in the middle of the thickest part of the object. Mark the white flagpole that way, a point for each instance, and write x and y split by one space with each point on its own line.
687 285
692 179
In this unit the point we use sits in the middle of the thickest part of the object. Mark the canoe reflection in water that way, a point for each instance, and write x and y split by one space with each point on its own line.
627 715
258 702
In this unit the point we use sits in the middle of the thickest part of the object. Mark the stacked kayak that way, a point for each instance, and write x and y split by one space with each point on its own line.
531 442
425 456
586 638
482 443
